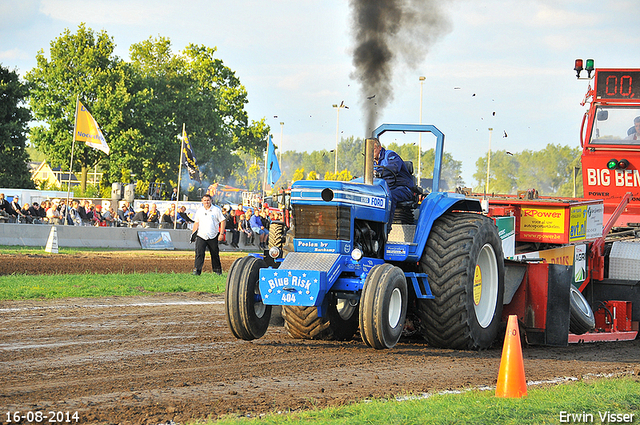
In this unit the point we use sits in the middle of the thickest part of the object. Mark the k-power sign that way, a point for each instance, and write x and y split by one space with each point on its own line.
562 224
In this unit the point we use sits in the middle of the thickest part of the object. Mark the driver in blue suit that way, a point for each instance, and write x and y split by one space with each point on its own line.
389 166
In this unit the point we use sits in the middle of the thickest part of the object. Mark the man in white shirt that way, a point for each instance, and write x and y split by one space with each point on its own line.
206 231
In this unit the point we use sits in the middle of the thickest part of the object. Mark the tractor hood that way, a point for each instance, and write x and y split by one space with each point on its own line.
367 202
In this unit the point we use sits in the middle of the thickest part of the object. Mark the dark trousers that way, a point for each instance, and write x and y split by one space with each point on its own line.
398 194
235 236
212 245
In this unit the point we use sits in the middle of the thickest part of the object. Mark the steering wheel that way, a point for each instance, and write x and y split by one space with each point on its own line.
377 168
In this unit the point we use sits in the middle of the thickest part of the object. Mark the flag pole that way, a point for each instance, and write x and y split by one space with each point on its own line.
175 212
73 145
264 181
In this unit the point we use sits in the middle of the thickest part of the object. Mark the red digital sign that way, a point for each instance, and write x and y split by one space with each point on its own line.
618 84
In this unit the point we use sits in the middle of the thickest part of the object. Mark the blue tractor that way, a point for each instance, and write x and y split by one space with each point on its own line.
435 268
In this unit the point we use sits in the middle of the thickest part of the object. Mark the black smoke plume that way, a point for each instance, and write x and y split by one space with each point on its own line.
391 34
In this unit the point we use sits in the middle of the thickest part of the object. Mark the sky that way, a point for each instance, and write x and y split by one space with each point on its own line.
505 65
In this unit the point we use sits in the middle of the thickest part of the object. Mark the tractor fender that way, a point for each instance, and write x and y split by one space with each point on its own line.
434 206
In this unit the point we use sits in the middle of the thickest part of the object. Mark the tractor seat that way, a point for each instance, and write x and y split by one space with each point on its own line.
404 209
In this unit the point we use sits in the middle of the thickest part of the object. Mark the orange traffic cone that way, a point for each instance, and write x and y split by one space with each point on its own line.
511 381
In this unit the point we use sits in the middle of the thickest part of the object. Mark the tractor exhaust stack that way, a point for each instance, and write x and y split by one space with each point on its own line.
368 160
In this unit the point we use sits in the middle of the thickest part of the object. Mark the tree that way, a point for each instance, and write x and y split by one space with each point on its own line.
549 171
14 117
449 171
351 155
503 173
82 65
141 107
196 89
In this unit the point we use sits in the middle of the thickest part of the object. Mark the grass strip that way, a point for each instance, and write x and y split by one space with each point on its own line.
593 401
20 287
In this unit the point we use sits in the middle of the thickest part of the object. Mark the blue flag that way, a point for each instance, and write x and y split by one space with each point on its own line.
273 168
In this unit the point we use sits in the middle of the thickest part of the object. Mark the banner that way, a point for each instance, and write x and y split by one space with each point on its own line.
87 130
189 158
273 168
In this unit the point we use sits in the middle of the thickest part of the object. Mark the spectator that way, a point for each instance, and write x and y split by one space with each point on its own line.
232 225
110 217
82 212
74 214
15 205
46 204
53 215
97 219
26 213
174 194
183 217
129 209
37 212
245 227
167 216
64 212
258 229
223 232
239 214
142 215
154 216
90 208
266 220
125 213
5 207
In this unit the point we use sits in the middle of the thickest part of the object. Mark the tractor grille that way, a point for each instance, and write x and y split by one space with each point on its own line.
308 261
322 222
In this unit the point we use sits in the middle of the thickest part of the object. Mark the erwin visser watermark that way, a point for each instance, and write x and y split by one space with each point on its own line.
600 417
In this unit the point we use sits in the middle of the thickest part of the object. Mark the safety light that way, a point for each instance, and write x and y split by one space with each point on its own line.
356 254
613 164
274 252
578 68
589 67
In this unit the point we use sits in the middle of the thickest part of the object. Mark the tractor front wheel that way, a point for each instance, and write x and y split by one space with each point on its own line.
339 324
247 317
276 235
383 306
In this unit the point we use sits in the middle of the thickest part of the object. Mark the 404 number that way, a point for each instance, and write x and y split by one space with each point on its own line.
288 297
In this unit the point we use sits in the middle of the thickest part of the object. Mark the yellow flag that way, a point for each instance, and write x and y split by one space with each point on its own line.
87 130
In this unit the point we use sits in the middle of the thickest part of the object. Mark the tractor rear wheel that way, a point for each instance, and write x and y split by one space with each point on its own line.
247 317
339 324
383 306
464 263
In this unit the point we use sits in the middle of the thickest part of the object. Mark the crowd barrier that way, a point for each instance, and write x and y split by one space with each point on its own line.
96 237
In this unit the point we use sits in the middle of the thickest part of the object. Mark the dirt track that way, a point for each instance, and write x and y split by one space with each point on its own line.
171 357
108 262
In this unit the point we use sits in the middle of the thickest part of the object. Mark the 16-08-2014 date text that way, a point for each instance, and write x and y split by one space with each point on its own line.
42 417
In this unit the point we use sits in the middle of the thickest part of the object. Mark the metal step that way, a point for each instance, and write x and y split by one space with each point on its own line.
402 233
